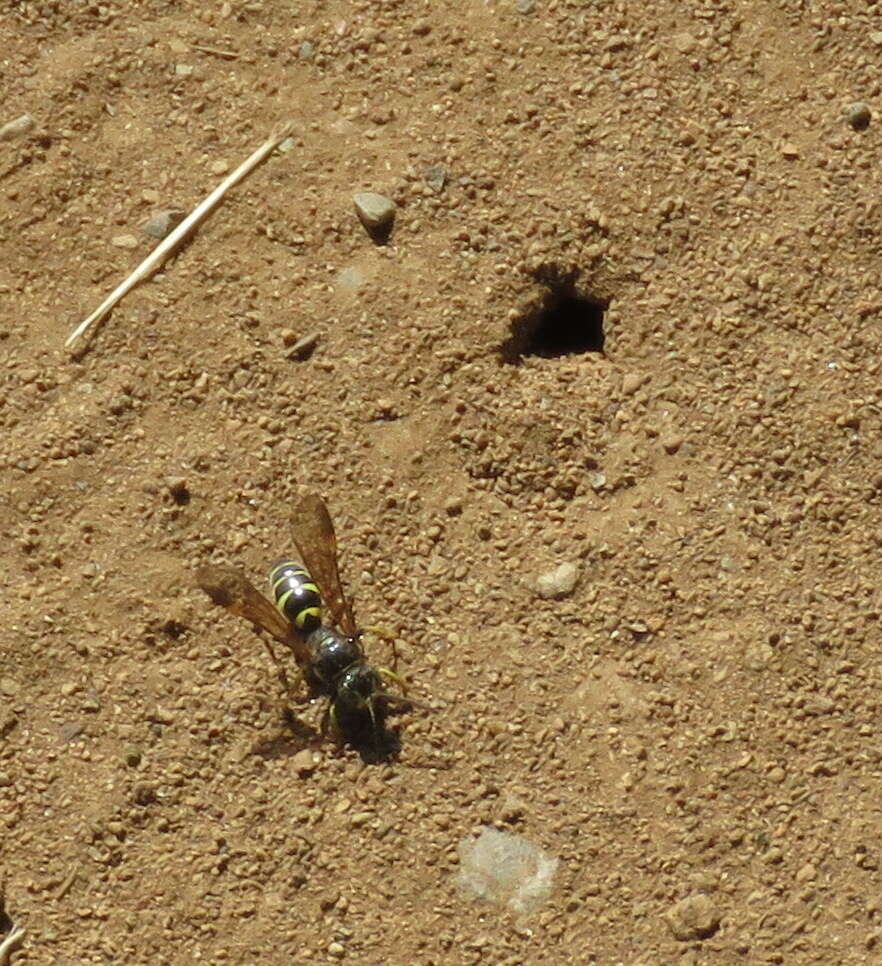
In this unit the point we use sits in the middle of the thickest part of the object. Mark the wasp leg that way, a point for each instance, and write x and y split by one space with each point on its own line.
374 728
404 697
388 675
280 670
330 723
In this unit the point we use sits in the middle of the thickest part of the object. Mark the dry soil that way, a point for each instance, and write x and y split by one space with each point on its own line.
693 732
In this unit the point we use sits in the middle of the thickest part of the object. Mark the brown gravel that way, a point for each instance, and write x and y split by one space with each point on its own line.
697 721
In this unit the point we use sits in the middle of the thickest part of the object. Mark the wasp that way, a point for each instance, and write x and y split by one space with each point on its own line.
329 654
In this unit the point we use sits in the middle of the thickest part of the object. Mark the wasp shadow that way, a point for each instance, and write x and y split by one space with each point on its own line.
294 736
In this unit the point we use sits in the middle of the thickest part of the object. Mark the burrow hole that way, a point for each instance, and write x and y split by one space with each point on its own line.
566 322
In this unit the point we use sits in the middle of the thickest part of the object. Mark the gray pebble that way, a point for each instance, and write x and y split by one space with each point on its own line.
306 51
507 869
163 222
70 730
858 116
17 128
349 279
525 7
375 211
557 583
436 176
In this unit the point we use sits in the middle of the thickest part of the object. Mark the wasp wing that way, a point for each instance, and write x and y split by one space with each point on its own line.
317 542
228 587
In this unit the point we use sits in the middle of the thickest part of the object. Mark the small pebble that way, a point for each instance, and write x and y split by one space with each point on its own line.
525 7
124 241
858 116
377 213
144 793
70 730
304 762
385 409
160 715
684 42
288 337
694 917
304 346
631 382
91 703
507 869
219 167
436 176
306 51
9 687
557 583
349 279
163 222
17 128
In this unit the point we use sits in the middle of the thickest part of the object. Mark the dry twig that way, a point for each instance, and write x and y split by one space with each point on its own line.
216 51
183 230
16 934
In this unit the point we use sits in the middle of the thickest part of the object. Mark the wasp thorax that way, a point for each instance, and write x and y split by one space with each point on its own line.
335 654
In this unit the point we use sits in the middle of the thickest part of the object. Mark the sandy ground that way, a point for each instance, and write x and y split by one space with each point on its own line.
693 730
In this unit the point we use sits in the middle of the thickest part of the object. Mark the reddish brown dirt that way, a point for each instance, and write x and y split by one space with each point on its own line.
699 718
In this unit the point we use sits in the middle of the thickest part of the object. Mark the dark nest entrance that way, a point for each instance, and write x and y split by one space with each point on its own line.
567 322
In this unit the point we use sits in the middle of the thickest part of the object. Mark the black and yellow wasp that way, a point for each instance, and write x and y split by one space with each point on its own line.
331 660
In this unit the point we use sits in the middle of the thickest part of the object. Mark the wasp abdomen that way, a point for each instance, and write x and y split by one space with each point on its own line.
296 595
